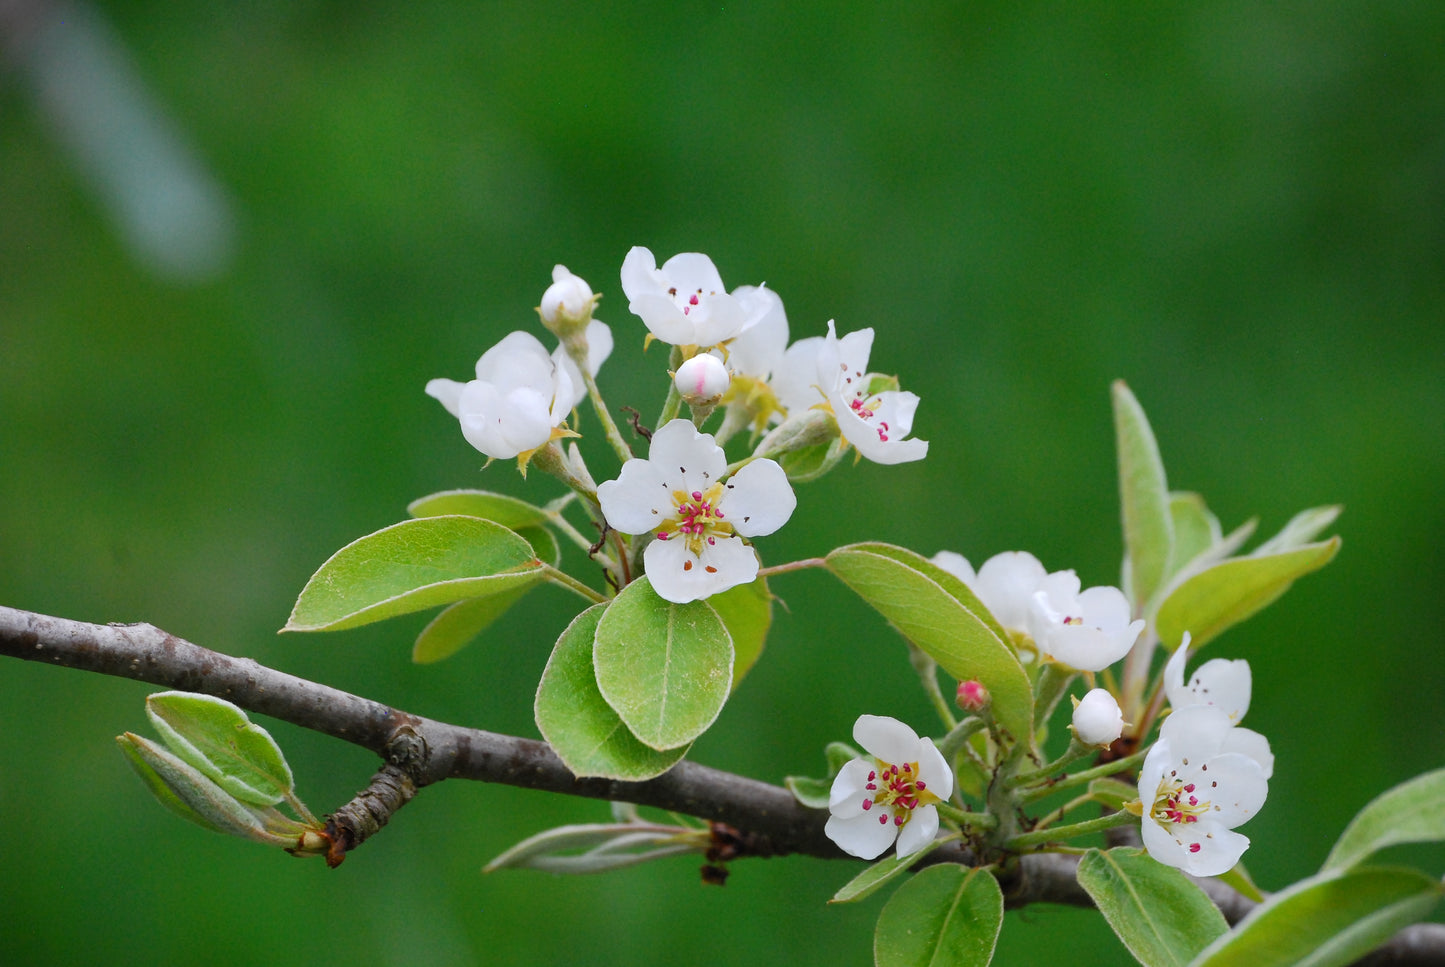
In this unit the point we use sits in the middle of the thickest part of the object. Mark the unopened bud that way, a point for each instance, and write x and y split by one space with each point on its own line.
972 696
567 304
1097 718
702 380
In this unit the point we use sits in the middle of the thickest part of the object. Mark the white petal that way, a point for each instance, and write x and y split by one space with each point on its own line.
693 272
1218 848
1196 733
686 459
1234 786
519 359
758 499
637 501
886 738
503 425
1220 682
1174 675
957 565
1006 583
679 576
795 381
759 348
846 796
1097 718
933 770
448 392
919 831
863 836
1251 743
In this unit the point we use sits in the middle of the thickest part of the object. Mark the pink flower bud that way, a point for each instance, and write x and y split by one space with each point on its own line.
972 696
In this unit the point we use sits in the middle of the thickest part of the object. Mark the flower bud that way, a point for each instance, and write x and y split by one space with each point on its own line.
1097 719
702 380
972 696
567 304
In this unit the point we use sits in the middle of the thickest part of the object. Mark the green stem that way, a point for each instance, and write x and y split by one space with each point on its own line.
954 741
673 404
1088 775
609 426
803 565
1053 681
1077 750
965 818
572 584
927 670
1112 821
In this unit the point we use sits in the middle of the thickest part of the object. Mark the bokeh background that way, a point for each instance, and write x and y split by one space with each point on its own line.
237 239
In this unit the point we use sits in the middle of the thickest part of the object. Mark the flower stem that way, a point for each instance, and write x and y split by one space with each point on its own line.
1088 775
927 670
1053 681
1077 750
609 426
767 572
965 818
960 734
1037 837
673 404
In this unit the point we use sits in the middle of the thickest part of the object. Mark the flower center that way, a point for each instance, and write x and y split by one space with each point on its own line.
696 519
897 787
1177 803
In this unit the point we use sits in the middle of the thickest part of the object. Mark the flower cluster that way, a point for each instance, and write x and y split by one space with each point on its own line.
1205 775
889 795
1086 630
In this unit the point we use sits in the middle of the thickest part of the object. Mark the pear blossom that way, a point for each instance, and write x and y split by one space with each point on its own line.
889 795
1225 685
684 303
702 379
698 517
1087 630
567 304
1005 583
520 393
874 423
1194 790
1097 718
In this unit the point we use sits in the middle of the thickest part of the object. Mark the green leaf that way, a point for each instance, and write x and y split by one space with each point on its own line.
881 873
813 793
1227 593
937 612
1112 794
747 612
1325 920
666 668
412 566
499 508
946 916
578 723
604 848
809 463
1412 812
1301 529
459 624
189 794
1196 529
544 544
1144 500
219 740
1238 877
1160 915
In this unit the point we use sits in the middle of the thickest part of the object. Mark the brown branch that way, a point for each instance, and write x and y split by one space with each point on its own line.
765 820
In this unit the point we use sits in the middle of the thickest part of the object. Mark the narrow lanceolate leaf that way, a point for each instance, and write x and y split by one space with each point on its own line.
881 873
1196 529
499 508
584 731
747 611
412 566
935 611
218 739
1160 915
189 794
1227 593
459 624
665 668
946 916
1144 501
1327 920
1301 529
1412 812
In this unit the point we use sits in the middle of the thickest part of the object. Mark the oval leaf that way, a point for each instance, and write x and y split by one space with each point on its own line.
460 623
1227 593
1143 499
507 511
219 740
576 720
946 916
186 792
935 611
1160 915
885 871
1326 920
747 611
1412 812
412 566
665 668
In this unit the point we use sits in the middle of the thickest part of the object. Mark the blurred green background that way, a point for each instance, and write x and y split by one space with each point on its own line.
1238 208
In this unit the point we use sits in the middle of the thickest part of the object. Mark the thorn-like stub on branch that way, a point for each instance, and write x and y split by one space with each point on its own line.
371 809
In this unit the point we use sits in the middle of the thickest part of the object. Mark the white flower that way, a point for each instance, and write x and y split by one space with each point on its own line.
519 395
1097 718
567 303
699 518
757 350
1005 584
1088 631
795 378
889 795
1194 791
702 379
874 423
684 302
1225 685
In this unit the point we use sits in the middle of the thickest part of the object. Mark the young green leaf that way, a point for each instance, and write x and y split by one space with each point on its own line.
1412 812
412 566
747 611
946 916
813 793
189 794
1144 500
935 611
1326 920
1196 529
1160 915
218 739
1227 593
499 508
459 624
1301 529
877 875
666 668
581 727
